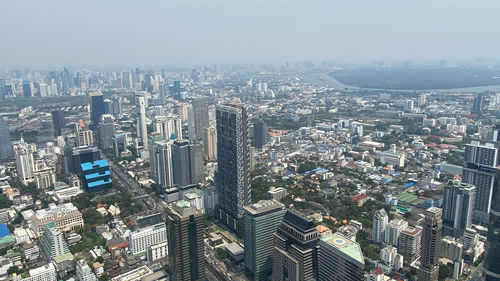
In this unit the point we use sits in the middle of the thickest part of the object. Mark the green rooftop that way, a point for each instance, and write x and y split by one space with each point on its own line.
346 246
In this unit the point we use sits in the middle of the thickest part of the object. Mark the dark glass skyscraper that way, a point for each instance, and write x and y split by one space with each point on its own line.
492 258
260 134
232 179
27 88
200 111
185 242
6 150
457 208
58 121
96 109
187 161
431 245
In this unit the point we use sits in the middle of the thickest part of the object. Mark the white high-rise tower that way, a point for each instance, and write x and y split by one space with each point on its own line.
142 130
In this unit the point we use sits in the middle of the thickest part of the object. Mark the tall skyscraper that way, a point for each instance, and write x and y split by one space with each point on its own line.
58 121
169 126
261 221
492 257
185 242
84 272
457 208
200 108
210 143
295 248
233 175
380 221
187 163
6 150
96 108
27 88
106 131
260 134
431 243
478 105
25 163
142 129
162 167
481 161
340 259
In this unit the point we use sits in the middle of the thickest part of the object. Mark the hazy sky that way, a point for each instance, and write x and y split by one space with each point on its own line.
157 32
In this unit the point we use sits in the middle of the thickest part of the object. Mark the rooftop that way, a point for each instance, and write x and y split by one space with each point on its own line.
346 246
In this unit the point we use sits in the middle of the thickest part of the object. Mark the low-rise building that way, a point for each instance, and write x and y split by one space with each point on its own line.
66 216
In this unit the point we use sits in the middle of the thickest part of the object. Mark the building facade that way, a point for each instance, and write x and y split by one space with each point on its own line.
187 163
6 151
340 259
431 245
457 208
380 221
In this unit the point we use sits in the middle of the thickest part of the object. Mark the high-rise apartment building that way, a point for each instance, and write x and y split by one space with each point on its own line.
96 108
481 161
380 221
478 105
295 248
106 131
162 164
457 208
142 130
260 134
84 137
6 151
84 272
169 126
187 163
25 163
185 242
261 221
431 244
492 257
393 230
340 259
200 110
232 178
210 143
52 241
409 242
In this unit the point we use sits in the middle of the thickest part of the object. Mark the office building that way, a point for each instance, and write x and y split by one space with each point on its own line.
393 230
380 221
52 241
106 131
340 259
162 165
84 272
170 127
74 157
478 105
142 130
409 242
84 137
185 242
151 231
232 178
65 216
480 163
431 244
58 122
96 108
491 266
43 273
457 208
260 134
28 89
295 248
96 176
119 144
6 151
210 143
187 163
200 110
108 106
261 221
25 163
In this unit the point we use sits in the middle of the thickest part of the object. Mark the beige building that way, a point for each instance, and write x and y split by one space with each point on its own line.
210 143
65 216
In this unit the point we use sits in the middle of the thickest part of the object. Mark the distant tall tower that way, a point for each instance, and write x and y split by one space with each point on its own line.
457 208
162 167
478 105
233 175
261 221
58 121
380 221
431 243
27 89
97 109
481 162
25 163
210 143
185 242
187 163
106 131
6 150
492 257
200 108
142 129
295 248
260 134
422 99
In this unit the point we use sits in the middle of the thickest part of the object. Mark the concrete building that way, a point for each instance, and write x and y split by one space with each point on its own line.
52 242
162 163
65 216
260 134
25 163
409 242
380 221
106 131
84 272
276 193
96 108
146 236
394 228
187 163
185 242
210 143
142 129
261 221
295 248
457 208
200 110
232 178
340 259
431 245
43 273
6 151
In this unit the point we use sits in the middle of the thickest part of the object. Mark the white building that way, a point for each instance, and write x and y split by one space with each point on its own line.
380 220
65 216
392 158
143 238
25 163
393 231
84 272
43 273
157 251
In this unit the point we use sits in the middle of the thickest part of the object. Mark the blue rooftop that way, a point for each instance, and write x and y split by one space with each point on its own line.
96 175
96 164
98 183
4 231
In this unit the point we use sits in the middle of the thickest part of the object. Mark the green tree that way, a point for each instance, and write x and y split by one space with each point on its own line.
104 277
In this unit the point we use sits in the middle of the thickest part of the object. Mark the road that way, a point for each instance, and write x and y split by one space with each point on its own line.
475 275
